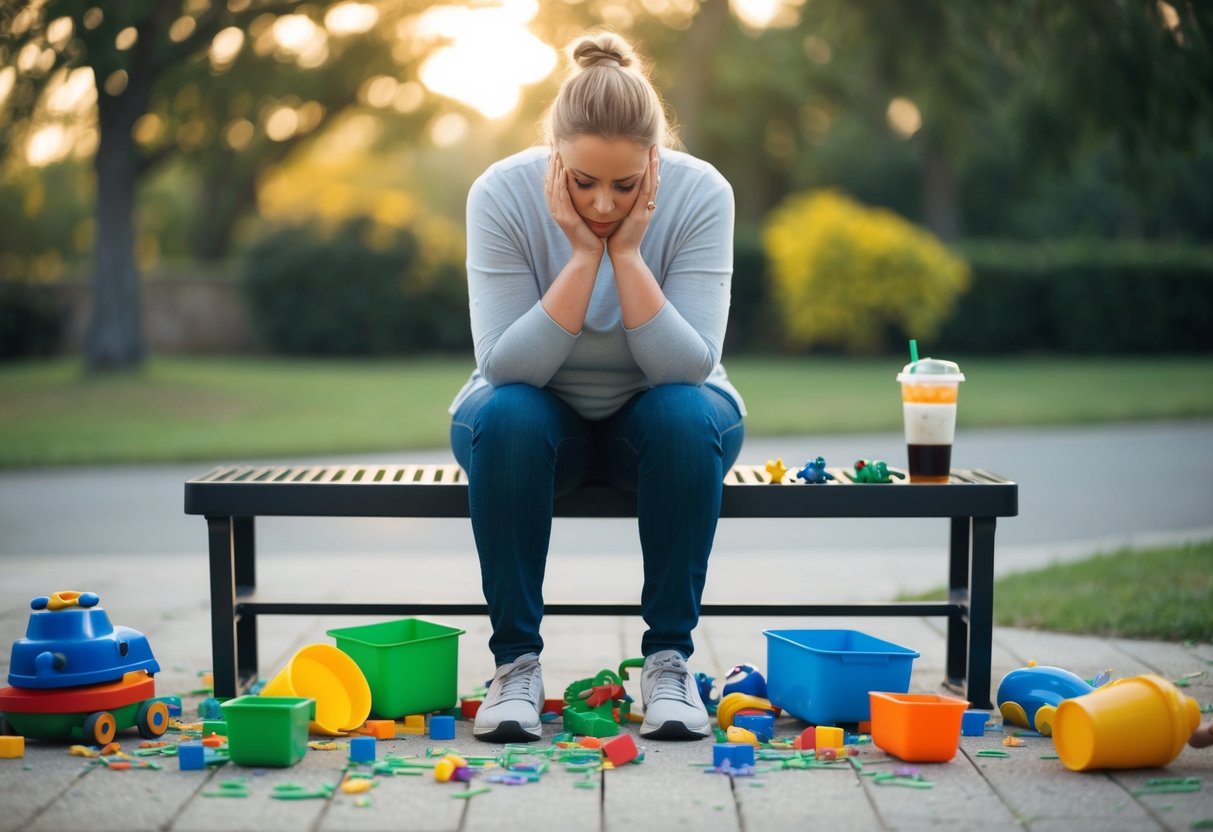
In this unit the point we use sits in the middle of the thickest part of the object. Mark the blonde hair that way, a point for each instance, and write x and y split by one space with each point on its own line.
607 93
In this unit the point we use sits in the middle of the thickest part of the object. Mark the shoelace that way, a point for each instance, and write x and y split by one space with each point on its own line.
517 683
671 681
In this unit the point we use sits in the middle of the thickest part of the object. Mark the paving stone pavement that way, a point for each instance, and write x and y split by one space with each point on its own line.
116 532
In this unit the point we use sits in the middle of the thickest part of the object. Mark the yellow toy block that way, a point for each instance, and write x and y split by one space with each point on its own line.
828 737
414 724
12 747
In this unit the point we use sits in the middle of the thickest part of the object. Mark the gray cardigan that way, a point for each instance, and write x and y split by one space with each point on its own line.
515 250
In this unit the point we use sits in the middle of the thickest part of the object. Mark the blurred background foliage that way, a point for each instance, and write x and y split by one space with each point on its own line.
324 149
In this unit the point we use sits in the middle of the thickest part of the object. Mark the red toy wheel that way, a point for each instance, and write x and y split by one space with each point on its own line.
100 728
152 720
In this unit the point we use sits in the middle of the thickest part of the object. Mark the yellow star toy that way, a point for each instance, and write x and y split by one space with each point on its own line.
776 469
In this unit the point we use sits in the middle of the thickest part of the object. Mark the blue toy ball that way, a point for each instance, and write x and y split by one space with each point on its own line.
747 679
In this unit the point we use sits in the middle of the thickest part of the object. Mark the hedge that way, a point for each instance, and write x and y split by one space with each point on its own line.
1096 297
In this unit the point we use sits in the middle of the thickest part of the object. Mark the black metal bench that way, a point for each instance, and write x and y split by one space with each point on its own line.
232 497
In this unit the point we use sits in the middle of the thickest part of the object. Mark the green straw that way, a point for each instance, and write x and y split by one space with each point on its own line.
913 354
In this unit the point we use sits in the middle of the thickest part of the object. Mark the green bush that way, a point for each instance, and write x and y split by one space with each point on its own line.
31 322
1097 296
362 289
856 278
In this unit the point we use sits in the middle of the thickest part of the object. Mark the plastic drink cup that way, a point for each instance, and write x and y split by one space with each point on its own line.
929 389
1138 722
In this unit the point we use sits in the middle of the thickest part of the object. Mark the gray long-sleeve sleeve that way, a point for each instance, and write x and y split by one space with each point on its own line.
516 250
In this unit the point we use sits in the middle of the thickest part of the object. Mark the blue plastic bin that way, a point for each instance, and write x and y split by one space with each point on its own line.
824 676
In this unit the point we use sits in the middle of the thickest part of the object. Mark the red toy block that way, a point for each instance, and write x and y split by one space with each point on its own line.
469 707
553 706
807 741
620 749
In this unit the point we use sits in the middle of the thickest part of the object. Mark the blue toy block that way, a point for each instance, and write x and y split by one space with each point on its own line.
442 727
173 703
763 725
362 750
736 755
973 723
209 708
191 756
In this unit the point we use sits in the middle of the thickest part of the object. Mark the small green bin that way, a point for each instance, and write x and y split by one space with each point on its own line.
411 665
267 730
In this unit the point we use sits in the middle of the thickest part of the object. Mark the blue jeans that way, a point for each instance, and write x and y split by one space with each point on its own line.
522 446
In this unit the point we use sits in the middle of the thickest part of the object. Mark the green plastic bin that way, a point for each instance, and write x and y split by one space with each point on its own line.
267 730
411 665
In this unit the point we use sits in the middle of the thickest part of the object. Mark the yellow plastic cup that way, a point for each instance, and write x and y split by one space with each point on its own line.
1138 722
324 673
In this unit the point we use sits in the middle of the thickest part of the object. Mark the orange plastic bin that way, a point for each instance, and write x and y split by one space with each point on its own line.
917 727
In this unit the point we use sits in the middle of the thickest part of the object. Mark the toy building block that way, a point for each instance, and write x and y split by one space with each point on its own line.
191 756
553 706
740 735
380 729
214 726
208 709
621 749
761 725
973 723
828 737
12 747
442 728
735 755
413 724
807 741
362 750
469 707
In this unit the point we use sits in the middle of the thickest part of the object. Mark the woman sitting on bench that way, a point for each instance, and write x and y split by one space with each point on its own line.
599 268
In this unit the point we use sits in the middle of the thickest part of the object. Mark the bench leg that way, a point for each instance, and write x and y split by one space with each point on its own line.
223 605
244 551
981 611
958 590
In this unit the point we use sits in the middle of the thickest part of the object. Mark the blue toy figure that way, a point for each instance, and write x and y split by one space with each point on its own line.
1028 697
814 471
747 679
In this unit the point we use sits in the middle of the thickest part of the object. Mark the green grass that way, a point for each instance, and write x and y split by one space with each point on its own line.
188 409
1164 593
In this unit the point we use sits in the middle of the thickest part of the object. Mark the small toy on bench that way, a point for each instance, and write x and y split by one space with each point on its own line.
874 471
77 676
814 471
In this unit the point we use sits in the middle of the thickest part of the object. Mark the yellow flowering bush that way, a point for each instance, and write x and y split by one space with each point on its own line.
848 276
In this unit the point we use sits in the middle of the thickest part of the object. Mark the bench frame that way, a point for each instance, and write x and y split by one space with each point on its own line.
231 498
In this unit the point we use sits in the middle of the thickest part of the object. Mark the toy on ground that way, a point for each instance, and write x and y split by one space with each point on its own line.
1139 722
707 691
814 471
590 705
745 678
1029 696
77 676
874 471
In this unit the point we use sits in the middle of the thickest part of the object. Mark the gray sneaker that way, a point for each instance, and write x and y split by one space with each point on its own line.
510 711
673 709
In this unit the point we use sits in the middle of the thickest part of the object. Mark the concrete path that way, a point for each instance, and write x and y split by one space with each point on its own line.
121 532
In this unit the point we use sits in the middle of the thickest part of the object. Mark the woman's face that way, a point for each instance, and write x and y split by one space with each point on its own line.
603 177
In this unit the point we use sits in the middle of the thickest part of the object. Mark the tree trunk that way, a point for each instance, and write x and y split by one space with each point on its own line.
224 200
940 195
115 331
699 49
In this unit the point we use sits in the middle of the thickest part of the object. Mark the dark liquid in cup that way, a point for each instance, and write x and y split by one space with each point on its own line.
930 463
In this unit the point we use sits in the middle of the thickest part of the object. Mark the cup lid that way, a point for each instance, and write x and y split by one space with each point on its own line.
931 370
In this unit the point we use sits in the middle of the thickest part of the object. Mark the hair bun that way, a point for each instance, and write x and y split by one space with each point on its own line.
602 49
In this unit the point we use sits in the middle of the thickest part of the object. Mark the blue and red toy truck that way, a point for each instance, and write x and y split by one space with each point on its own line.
77 676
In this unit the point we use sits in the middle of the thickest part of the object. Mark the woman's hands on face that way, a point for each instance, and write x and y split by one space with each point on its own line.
560 203
627 237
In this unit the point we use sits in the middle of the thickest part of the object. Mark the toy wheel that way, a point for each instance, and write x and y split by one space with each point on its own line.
1045 715
152 720
100 728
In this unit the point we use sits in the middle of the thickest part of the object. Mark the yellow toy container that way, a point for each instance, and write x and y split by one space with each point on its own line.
333 679
1138 722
